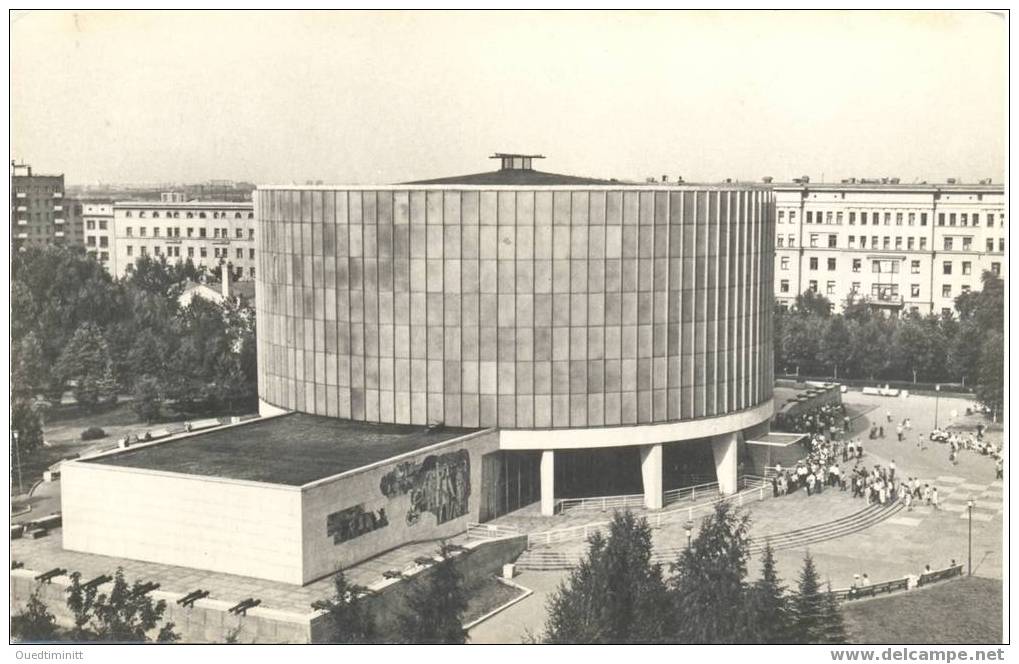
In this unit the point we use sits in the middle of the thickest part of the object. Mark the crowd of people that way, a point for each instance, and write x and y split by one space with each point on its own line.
828 419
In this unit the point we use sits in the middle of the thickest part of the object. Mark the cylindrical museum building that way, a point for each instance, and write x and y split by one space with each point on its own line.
617 335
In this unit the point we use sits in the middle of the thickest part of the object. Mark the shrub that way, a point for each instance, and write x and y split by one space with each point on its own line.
93 433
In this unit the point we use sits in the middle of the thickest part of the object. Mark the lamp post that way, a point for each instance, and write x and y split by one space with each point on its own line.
17 458
969 564
689 531
937 398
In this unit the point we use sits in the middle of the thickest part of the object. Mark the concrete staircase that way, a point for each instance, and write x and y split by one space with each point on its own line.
556 558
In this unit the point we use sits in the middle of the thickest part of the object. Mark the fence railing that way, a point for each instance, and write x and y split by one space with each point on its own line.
939 575
656 519
490 531
871 590
670 497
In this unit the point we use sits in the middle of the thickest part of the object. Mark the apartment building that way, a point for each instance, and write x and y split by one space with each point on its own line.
900 247
97 223
209 233
38 214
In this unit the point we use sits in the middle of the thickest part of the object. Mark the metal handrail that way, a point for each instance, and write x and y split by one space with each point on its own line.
581 533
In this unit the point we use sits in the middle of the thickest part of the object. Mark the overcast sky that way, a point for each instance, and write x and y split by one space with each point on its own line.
388 97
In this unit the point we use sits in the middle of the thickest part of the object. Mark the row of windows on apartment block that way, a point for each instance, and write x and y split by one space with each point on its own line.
876 218
174 252
889 266
190 215
879 291
174 231
949 244
46 230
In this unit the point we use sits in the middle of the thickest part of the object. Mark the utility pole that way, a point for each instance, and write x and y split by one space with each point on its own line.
969 506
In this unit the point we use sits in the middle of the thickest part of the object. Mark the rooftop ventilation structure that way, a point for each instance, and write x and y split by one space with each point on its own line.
516 162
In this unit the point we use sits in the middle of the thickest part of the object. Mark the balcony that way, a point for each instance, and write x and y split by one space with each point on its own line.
22 208
22 236
58 220
58 194
58 234
58 208
22 222
20 194
885 298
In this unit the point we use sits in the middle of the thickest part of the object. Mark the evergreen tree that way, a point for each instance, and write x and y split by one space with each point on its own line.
711 602
25 420
615 595
350 617
435 604
146 402
770 604
809 607
29 372
832 625
86 362
35 624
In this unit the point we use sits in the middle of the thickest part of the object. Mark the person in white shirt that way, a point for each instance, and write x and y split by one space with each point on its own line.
934 497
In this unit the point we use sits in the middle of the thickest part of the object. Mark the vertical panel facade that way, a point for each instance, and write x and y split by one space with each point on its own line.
526 308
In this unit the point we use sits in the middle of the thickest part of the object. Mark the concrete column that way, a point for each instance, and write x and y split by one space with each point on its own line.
651 471
547 483
724 449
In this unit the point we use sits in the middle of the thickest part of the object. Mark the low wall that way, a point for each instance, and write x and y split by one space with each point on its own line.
815 396
424 495
479 561
207 621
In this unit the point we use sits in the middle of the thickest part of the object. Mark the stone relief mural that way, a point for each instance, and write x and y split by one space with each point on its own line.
439 484
354 522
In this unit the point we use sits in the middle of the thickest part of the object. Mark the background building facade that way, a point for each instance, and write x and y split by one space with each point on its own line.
38 214
901 247
97 222
209 233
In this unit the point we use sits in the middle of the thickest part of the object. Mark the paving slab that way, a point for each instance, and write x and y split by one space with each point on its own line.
905 521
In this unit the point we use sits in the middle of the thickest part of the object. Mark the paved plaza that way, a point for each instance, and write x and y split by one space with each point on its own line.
897 546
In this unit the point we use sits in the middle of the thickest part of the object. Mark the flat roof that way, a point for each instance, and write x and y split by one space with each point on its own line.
292 449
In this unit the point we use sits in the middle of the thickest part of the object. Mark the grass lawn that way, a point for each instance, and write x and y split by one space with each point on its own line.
488 596
966 610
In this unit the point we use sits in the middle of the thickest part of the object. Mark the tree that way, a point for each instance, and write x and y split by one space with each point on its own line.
161 277
801 341
870 348
770 604
25 421
834 627
991 387
86 363
29 372
816 615
855 308
147 403
350 617
126 615
710 596
35 624
435 604
964 352
615 595
811 303
836 348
